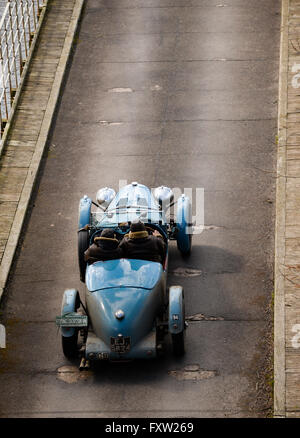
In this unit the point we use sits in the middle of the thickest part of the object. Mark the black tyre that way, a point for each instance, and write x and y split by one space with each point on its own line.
83 244
178 344
69 345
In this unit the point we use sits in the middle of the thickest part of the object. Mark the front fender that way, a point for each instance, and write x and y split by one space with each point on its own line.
184 224
70 303
84 212
176 310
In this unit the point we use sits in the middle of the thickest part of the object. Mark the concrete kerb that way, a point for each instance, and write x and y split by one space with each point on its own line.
40 146
279 305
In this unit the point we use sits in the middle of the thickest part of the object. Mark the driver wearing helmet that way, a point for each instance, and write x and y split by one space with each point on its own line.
138 244
105 247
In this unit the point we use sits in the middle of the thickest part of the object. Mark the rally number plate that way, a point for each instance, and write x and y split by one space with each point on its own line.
72 320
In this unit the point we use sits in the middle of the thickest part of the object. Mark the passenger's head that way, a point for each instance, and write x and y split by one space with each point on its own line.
108 233
138 230
106 238
137 226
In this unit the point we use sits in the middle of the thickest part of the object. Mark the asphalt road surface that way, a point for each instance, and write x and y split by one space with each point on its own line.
175 92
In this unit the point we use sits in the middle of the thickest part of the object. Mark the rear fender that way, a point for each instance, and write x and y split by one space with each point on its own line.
70 303
176 310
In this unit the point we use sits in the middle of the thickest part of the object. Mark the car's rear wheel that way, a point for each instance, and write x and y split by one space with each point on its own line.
185 248
184 225
70 345
83 244
178 344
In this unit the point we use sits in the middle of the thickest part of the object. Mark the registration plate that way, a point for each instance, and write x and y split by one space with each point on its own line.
120 344
72 319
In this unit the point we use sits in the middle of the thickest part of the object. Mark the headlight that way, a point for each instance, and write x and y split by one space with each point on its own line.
164 196
105 196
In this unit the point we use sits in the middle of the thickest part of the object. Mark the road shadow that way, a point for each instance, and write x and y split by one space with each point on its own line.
208 259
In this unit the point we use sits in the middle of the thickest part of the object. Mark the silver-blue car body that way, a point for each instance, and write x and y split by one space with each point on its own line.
127 310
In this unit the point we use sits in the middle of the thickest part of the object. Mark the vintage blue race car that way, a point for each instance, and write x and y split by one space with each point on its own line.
128 309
